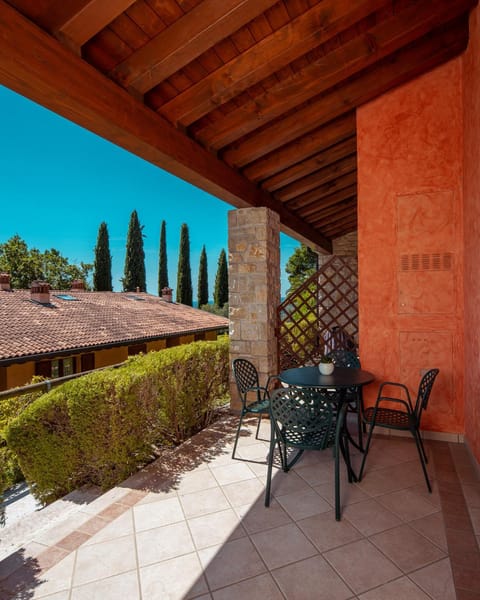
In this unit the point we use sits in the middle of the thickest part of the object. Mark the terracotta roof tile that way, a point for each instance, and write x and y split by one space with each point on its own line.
94 318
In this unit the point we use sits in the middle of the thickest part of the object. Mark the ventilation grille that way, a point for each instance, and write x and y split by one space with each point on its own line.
427 262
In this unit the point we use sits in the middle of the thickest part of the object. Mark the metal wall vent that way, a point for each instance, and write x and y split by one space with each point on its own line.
427 262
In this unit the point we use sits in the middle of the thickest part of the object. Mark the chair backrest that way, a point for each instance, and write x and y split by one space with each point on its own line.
424 390
245 374
303 417
344 358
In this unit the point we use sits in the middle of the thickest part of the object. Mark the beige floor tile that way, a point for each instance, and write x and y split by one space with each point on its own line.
327 533
370 517
436 580
49 536
215 528
105 500
124 585
475 518
433 528
195 481
65 595
349 493
230 563
156 496
283 545
244 492
311 579
258 451
471 492
383 481
300 505
315 474
120 527
232 473
362 566
407 504
163 543
286 483
176 579
157 514
262 587
400 589
407 548
105 559
204 502
257 517
56 579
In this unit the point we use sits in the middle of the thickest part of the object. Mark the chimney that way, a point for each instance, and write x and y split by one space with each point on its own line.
40 292
167 294
78 285
5 282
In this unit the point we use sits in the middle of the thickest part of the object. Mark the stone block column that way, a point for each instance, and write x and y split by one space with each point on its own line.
254 289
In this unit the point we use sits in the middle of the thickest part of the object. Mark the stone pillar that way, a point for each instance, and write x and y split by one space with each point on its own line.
254 289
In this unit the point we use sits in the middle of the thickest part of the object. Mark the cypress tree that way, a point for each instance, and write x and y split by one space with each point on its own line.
162 260
102 274
203 279
134 271
184 273
220 296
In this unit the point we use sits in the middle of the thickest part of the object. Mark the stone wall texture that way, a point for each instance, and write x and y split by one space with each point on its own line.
254 289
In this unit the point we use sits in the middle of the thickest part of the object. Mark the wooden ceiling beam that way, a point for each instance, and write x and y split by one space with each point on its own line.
317 161
337 216
319 217
433 50
189 37
339 229
37 66
79 25
316 141
310 212
337 66
309 30
342 167
316 195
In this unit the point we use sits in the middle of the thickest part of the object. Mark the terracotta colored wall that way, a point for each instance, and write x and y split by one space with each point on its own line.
410 247
471 66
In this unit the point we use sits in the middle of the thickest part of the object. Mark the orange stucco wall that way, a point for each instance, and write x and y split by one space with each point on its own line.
471 66
410 239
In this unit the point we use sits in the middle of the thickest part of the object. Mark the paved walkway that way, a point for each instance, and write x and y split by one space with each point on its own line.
193 525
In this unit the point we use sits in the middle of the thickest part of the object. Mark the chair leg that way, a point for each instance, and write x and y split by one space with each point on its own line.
237 436
365 451
258 425
269 470
421 450
359 427
425 458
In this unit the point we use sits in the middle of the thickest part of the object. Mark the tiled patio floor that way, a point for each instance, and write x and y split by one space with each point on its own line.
194 526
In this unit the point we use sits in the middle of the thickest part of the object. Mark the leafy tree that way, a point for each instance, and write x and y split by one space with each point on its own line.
203 279
162 260
134 272
300 266
184 273
25 265
220 295
102 274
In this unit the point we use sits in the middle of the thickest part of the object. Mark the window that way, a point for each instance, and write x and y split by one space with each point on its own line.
58 367
136 349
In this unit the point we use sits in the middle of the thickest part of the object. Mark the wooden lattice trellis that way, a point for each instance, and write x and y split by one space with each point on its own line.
321 315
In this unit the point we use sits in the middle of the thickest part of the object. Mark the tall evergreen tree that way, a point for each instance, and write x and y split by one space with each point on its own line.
134 271
184 273
102 274
301 265
203 279
162 260
220 295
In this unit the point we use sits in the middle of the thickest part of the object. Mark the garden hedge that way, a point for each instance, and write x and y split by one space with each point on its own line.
103 426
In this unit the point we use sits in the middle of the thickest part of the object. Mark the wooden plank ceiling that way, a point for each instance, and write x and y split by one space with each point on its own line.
252 100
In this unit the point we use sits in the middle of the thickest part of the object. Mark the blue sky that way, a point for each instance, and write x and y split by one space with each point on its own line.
59 182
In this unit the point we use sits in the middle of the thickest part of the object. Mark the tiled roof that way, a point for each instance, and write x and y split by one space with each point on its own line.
94 319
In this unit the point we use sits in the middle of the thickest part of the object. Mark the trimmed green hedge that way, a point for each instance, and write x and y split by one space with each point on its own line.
103 426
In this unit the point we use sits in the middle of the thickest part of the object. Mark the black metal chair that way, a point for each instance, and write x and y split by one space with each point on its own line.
304 419
342 357
405 418
247 380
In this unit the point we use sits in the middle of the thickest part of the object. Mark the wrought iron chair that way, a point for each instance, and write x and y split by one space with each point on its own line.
247 380
405 418
304 419
342 357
